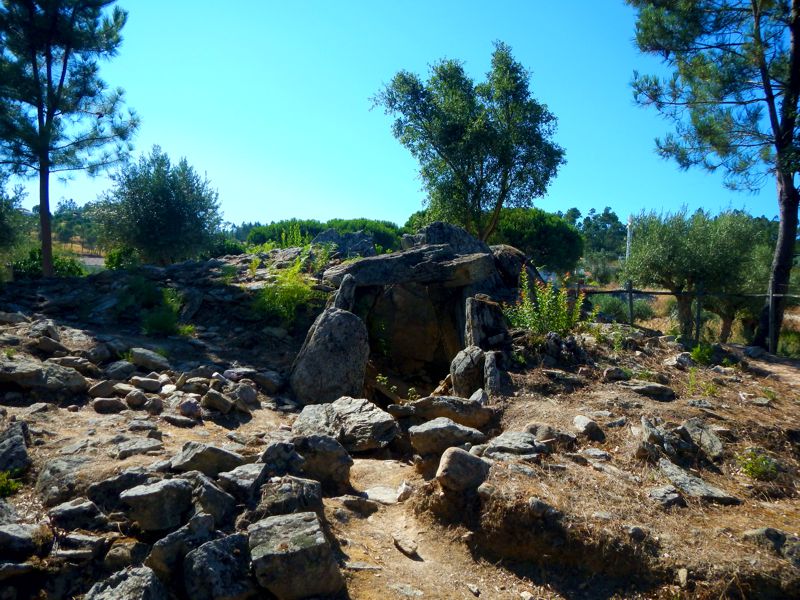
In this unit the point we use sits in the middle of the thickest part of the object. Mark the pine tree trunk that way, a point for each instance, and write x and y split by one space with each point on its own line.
782 259
44 217
725 329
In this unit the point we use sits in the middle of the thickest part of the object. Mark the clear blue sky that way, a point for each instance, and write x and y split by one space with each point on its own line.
271 100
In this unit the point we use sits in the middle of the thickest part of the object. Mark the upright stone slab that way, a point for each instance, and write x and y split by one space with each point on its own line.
333 359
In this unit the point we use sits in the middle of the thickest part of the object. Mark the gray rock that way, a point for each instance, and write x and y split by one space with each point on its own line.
30 374
589 428
270 382
615 374
770 538
102 389
220 570
471 413
694 486
460 471
467 370
244 482
160 505
19 541
108 406
120 370
106 493
650 433
357 424
146 383
325 460
550 436
13 448
355 243
495 380
344 298
137 445
179 420
333 359
681 361
131 584
436 436
243 393
79 513
147 359
136 399
125 553
283 546
9 318
7 513
654 391
208 459
167 554
282 458
190 407
210 498
58 480
515 442
215 400
285 495
485 324
702 435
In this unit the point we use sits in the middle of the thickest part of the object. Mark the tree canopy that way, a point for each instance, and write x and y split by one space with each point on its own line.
166 212
680 252
549 241
480 146
732 98
56 113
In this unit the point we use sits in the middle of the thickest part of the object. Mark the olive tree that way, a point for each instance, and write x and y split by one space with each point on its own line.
166 212
480 146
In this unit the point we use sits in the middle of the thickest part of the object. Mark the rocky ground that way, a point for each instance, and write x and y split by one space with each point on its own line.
249 460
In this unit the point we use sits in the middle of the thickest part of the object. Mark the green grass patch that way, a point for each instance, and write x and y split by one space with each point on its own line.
282 298
8 485
755 463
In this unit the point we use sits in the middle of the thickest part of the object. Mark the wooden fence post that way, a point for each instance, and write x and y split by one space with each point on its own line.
629 287
772 335
698 313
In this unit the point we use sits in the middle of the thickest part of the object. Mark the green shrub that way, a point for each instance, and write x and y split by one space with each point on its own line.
789 344
643 310
123 258
221 245
139 293
163 319
282 298
612 307
30 267
8 485
703 354
544 310
756 464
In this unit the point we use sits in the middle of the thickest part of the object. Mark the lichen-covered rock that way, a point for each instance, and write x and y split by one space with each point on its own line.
167 554
467 371
355 423
220 570
206 458
333 359
436 436
325 460
33 375
291 557
147 359
131 584
468 412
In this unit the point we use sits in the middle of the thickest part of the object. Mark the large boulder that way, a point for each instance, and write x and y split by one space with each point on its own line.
131 584
470 412
14 448
356 423
208 459
325 460
460 471
356 243
167 554
220 570
436 436
148 359
33 375
292 558
333 359
159 506
453 236
485 324
59 479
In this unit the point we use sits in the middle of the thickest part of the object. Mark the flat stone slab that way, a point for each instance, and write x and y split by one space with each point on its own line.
654 391
29 374
136 446
694 486
471 413
436 436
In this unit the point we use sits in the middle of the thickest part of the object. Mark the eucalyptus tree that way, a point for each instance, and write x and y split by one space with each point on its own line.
732 96
56 113
480 146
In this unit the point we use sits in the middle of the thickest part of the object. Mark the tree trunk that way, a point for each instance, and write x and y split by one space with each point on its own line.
725 330
685 315
782 259
44 217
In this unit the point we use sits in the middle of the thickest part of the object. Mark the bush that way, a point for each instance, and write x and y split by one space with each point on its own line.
789 344
30 267
613 307
163 319
282 298
224 246
124 258
703 354
8 485
546 309
756 464
643 310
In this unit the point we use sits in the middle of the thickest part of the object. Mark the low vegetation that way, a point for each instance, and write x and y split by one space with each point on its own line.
543 308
